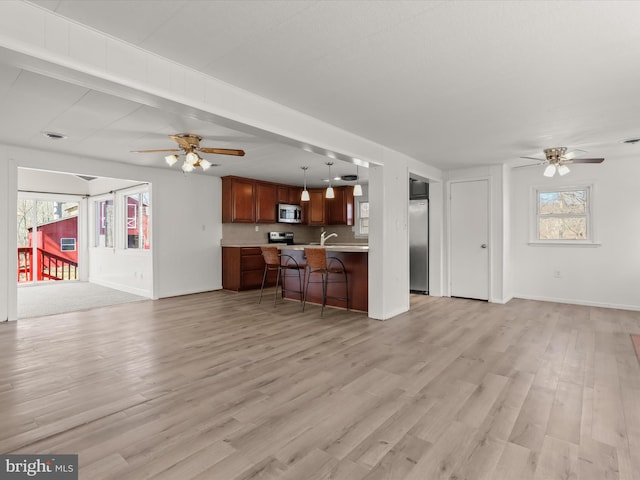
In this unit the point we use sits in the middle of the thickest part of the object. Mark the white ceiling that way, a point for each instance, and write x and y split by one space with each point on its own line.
451 84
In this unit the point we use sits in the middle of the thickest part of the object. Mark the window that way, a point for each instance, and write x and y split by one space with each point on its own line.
67 244
138 210
563 215
104 223
363 219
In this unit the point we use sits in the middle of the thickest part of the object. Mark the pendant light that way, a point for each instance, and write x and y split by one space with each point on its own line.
305 192
357 188
329 193
550 171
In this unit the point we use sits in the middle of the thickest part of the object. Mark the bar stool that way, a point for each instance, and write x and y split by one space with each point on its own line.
318 263
275 261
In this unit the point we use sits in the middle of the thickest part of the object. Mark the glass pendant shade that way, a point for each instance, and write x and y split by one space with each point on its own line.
563 169
330 193
357 188
205 164
550 171
187 167
305 193
192 158
171 159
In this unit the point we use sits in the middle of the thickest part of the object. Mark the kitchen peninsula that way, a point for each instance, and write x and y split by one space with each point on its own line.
243 266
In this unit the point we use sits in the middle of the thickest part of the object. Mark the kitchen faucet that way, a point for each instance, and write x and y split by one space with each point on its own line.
323 238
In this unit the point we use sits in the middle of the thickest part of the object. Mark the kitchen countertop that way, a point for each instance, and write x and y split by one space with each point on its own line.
352 248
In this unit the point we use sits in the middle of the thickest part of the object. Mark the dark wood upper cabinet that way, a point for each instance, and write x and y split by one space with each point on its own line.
266 200
341 207
283 194
245 200
238 200
294 195
316 211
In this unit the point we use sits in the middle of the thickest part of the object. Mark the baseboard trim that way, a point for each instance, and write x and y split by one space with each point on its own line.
579 302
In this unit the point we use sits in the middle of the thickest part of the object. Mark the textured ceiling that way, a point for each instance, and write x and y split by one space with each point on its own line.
452 84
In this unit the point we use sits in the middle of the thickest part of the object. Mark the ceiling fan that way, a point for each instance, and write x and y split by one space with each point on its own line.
557 159
190 145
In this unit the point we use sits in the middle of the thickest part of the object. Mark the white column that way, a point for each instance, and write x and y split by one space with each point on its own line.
9 254
388 239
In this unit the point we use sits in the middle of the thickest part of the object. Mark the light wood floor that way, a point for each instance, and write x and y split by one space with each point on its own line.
214 386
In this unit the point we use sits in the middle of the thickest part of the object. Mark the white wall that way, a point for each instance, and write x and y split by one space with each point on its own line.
186 221
607 275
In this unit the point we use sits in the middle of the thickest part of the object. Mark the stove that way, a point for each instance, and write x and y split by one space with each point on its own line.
281 237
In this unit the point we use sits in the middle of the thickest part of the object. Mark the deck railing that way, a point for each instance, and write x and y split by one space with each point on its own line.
50 266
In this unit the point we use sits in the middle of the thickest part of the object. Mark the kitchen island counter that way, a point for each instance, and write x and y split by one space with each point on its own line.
356 262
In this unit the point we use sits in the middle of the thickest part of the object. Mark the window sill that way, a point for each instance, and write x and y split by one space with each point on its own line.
565 243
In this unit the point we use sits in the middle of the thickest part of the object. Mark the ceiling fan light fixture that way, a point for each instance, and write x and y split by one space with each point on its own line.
563 169
550 171
205 164
187 167
192 158
171 160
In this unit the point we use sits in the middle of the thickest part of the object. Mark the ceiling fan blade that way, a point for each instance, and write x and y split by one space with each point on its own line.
223 151
573 154
587 160
542 160
540 163
153 151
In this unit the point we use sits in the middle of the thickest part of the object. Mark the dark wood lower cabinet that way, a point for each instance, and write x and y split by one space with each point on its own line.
243 268
357 265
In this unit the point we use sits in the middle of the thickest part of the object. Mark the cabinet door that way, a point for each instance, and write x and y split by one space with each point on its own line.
266 196
238 200
341 207
316 208
294 195
283 194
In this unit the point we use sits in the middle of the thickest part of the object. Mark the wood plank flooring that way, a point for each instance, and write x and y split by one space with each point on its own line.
215 386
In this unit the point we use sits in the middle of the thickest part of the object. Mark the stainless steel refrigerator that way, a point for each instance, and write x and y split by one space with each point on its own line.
419 246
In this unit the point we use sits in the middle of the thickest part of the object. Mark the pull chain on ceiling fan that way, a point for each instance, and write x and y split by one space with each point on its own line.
190 146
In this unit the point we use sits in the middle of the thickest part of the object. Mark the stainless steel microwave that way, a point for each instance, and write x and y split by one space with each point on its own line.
289 213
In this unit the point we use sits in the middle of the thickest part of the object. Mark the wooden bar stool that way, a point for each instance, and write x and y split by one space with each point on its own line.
318 263
275 261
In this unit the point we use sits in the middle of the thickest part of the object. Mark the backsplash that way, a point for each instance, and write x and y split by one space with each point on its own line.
245 234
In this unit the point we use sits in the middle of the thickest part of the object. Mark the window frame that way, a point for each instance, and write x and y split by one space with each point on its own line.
97 220
589 215
123 196
358 220
62 245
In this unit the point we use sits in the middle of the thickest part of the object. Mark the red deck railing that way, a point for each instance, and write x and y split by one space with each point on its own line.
50 266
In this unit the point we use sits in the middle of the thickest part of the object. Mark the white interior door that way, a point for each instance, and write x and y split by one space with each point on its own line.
470 239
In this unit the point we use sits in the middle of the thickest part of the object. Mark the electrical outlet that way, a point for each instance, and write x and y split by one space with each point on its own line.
257 228
556 274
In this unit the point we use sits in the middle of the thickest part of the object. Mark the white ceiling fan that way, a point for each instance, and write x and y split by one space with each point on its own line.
557 159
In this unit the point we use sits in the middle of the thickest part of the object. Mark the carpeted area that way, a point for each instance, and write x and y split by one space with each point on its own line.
59 297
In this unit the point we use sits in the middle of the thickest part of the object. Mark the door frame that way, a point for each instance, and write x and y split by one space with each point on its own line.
490 233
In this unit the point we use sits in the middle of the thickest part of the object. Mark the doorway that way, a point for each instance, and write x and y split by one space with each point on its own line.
469 259
47 239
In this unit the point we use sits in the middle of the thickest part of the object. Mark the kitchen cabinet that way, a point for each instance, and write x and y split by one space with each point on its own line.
243 268
266 201
316 211
238 200
283 194
341 207
294 195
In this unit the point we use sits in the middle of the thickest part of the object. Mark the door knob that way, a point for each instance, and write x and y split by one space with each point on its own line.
484 245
